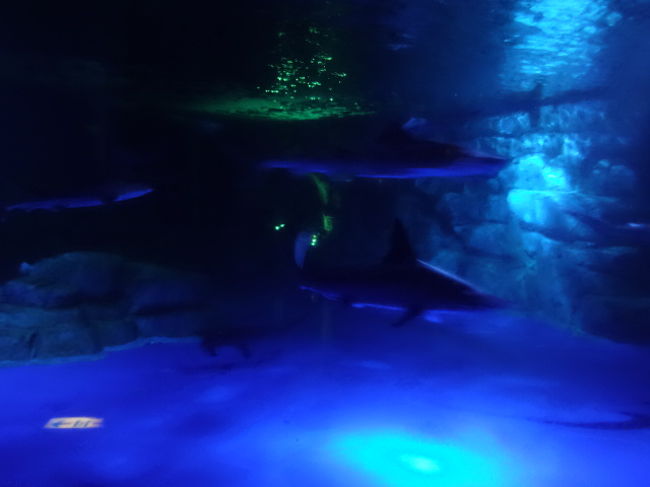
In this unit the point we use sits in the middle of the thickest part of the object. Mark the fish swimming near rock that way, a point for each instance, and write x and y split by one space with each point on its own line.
104 195
401 282
630 421
396 154
632 234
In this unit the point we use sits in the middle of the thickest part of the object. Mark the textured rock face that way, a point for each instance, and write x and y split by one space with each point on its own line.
66 280
78 303
539 233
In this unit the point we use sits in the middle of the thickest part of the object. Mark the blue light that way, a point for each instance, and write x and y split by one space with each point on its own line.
401 460
555 178
129 195
559 41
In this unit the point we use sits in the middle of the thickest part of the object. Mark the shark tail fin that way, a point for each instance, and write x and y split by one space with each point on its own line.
401 252
300 248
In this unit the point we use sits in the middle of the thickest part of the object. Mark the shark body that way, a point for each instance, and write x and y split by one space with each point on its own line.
100 197
396 155
401 282
631 234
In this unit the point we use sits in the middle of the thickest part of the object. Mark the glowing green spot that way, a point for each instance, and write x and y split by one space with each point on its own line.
303 88
314 240
328 223
323 188
279 227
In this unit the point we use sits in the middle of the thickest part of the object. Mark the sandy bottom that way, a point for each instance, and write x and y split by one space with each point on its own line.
344 400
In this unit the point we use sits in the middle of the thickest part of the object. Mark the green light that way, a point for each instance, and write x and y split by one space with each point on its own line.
314 240
279 227
301 81
306 83
279 107
328 223
323 187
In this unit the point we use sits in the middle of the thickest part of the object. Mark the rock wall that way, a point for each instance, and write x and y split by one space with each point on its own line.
79 303
553 231
542 233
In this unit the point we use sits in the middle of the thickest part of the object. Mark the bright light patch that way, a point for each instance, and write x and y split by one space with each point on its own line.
74 423
137 193
421 464
314 240
279 227
560 40
401 460
555 178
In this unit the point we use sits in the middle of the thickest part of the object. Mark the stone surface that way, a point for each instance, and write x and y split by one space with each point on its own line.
532 235
495 239
65 280
28 318
92 275
65 340
110 333
80 302
609 179
26 292
16 344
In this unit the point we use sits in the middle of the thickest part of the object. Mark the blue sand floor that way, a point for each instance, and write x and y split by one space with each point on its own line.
344 401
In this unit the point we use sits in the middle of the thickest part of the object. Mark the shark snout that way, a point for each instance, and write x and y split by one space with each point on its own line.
484 156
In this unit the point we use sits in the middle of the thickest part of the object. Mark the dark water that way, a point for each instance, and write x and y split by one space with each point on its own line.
139 232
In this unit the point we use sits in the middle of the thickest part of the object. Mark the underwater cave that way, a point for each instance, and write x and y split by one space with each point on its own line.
368 243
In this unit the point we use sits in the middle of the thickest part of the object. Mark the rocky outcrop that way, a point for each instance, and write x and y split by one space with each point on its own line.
521 235
78 303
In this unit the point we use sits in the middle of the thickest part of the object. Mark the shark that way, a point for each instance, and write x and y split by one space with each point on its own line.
101 196
400 282
630 421
241 336
396 154
632 234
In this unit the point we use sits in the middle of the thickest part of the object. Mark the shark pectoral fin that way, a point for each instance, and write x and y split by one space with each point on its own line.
322 186
410 314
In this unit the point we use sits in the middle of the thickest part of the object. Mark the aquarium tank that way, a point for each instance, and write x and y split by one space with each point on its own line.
351 243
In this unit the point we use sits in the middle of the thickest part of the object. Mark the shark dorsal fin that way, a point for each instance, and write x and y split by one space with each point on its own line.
401 251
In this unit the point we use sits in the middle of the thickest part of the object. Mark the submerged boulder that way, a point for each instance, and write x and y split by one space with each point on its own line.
66 280
80 302
16 344
65 340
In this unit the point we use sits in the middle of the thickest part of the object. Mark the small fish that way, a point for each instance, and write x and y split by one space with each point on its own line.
632 421
401 282
104 195
395 155
633 234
